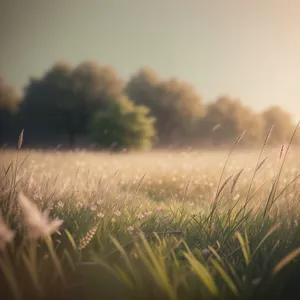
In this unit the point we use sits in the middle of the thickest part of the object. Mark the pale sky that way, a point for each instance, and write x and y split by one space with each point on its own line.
249 49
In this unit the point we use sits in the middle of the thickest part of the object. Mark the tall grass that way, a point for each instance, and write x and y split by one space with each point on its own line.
150 226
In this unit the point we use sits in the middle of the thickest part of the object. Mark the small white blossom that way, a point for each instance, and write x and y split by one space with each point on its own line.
148 213
130 228
79 205
60 204
140 216
100 215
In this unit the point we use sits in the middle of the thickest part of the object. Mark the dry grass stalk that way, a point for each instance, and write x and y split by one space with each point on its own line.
20 140
88 237
260 164
235 180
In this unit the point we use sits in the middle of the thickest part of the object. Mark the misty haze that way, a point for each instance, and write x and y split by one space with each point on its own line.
149 150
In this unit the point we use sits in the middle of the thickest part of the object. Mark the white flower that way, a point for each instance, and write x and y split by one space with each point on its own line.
60 204
6 234
100 215
140 216
38 223
148 213
130 228
79 205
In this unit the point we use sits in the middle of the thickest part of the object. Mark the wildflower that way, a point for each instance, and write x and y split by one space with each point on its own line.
100 202
148 213
140 216
38 223
160 209
79 205
130 229
60 204
113 220
6 234
117 213
100 215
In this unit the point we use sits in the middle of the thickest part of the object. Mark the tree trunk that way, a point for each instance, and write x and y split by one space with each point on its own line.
2 127
1 134
72 140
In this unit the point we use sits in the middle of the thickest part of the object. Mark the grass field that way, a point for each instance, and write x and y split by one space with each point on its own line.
161 225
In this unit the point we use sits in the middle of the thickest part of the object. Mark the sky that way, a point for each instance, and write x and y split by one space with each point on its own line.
249 49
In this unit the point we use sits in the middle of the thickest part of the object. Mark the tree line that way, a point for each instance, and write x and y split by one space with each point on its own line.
91 102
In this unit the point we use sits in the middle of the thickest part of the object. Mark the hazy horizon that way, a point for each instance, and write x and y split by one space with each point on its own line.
248 49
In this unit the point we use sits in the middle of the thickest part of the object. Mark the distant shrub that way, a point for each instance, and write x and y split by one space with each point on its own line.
123 125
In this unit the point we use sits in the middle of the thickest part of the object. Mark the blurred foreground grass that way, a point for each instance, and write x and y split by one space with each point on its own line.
164 225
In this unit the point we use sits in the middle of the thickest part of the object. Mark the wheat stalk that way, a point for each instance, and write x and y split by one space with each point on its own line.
235 180
83 243
20 140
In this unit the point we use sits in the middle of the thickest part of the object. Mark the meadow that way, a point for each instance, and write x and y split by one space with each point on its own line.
160 225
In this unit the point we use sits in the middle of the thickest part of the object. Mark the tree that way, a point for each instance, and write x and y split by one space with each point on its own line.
64 99
97 84
50 104
180 108
174 103
123 125
283 124
141 87
227 118
9 104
